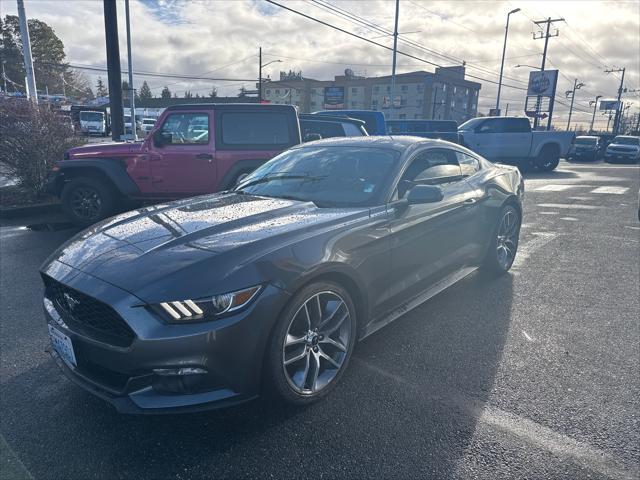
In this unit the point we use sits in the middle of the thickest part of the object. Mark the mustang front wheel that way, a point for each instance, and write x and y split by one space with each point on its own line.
504 243
311 344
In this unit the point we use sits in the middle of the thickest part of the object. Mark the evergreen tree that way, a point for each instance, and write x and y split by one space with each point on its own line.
166 93
101 90
213 93
145 92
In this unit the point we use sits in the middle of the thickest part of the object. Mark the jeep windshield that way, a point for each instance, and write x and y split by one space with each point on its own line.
627 141
343 176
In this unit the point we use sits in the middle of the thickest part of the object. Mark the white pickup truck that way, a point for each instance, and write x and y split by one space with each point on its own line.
510 140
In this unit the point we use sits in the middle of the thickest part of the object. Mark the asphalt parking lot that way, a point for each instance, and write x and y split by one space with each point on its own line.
533 375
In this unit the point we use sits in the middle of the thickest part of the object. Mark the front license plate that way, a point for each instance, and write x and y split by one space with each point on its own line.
63 345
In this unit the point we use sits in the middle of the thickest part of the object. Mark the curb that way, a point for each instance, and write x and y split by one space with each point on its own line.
40 208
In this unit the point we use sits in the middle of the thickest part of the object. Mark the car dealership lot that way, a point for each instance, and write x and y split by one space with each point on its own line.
533 375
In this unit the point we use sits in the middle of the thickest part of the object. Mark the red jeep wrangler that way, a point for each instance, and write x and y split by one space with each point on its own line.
193 149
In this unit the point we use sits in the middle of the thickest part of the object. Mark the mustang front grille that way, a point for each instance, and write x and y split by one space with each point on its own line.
88 316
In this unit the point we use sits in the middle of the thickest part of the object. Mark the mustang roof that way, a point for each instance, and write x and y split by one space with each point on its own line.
396 142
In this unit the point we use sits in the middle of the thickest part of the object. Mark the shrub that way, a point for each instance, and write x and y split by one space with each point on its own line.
32 138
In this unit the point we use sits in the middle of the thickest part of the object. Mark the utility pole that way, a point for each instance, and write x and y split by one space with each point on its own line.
395 49
572 93
113 68
132 92
4 76
260 75
26 53
546 37
506 113
595 106
504 50
616 122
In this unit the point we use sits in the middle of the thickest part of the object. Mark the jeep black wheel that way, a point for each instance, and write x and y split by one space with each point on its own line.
87 200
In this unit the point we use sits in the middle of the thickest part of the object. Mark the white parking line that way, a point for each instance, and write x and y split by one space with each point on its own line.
526 248
608 189
569 219
569 205
522 428
526 335
548 213
553 188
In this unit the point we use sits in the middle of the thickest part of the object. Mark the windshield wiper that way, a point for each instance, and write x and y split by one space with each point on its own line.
275 176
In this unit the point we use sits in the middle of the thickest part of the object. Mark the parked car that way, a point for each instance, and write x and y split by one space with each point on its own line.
316 127
93 123
147 125
210 301
623 148
440 129
179 158
374 121
586 148
510 140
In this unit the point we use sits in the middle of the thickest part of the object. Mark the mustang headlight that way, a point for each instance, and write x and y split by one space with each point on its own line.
207 308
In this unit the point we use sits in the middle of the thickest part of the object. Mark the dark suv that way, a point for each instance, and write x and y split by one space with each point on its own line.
193 149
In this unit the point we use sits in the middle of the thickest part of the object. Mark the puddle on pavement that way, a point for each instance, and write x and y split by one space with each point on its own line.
50 227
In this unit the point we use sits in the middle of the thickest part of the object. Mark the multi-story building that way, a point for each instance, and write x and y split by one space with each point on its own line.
445 94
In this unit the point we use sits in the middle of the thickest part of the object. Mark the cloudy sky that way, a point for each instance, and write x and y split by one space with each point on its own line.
220 39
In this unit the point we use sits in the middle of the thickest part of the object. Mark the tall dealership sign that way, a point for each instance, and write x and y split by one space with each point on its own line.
541 92
334 98
609 105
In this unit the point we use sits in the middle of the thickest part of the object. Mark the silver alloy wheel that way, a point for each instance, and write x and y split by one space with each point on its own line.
507 242
317 342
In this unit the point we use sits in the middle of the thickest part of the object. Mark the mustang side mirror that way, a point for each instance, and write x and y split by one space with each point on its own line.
424 194
310 137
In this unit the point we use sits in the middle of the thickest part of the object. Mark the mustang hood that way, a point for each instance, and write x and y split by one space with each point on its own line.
216 233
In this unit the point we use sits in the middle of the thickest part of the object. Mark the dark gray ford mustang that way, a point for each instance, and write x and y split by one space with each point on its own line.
209 301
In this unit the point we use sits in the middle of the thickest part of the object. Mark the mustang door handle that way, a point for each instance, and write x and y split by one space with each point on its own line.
204 156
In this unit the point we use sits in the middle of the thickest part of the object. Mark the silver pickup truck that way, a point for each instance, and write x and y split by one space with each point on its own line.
510 140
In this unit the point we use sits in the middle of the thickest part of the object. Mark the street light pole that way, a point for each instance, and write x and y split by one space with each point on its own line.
576 86
260 75
395 49
260 67
132 95
26 53
595 106
504 50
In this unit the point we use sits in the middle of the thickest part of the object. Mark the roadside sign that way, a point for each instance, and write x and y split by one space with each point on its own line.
607 105
542 82
334 98
494 112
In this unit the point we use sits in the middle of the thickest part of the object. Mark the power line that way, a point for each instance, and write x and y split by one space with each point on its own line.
335 27
352 17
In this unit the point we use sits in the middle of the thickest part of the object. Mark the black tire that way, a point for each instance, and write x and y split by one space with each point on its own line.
493 265
99 200
548 158
277 382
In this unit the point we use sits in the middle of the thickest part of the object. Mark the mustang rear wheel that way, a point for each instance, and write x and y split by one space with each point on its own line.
311 344
504 243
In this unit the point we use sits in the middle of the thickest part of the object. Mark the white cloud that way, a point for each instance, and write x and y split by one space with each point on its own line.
196 37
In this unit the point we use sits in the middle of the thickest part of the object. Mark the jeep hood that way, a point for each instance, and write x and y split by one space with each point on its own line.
110 150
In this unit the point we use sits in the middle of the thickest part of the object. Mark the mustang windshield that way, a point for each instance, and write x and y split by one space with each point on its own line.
328 176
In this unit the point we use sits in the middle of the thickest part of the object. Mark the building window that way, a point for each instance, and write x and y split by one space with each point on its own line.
404 88
354 90
277 91
374 103
420 88
416 116
376 89
313 104
402 116
403 102
354 104
388 88
268 92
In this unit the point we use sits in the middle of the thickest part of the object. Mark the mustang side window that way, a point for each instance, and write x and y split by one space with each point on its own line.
468 164
432 167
